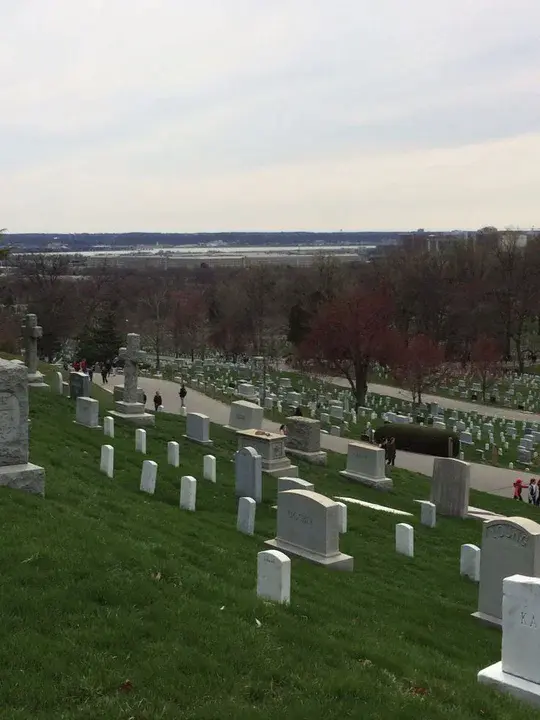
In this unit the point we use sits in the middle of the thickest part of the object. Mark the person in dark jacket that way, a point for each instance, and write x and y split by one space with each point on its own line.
158 402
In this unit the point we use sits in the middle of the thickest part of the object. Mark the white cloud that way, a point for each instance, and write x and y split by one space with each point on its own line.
249 114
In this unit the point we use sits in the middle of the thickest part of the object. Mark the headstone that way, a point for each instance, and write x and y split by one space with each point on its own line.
405 539
303 440
469 562
15 470
245 415
198 428
245 520
188 493
130 408
271 448
342 517
308 526
274 576
79 385
366 465
248 474
510 546
140 441
465 438
108 426
518 672
31 333
87 412
209 468
450 486
428 513
173 453
107 460
148 477
246 390
58 383
287 483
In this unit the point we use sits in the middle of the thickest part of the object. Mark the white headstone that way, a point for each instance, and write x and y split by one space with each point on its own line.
58 383
469 562
209 468
198 428
342 517
405 539
148 477
173 453
518 672
107 460
140 440
248 474
245 415
274 576
428 513
188 493
366 465
245 521
87 412
108 426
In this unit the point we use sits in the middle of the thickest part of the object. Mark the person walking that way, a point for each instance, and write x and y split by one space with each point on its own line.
533 492
183 393
391 450
104 373
158 402
518 489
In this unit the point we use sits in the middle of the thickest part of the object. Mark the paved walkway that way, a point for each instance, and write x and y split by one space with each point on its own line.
497 481
445 402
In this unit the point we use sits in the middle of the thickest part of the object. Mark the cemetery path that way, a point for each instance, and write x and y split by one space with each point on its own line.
497 481
448 403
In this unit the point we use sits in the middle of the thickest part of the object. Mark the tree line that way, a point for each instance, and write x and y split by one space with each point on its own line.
426 313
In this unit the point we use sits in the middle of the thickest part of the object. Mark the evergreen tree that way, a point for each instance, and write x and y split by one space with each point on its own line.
100 339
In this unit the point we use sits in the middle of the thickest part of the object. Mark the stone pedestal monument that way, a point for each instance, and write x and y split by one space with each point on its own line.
31 332
15 470
128 408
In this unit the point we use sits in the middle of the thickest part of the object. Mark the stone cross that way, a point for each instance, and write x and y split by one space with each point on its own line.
31 332
132 356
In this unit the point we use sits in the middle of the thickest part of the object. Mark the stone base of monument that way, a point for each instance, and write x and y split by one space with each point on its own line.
315 458
280 469
489 620
35 380
133 413
196 440
383 483
28 477
521 689
339 561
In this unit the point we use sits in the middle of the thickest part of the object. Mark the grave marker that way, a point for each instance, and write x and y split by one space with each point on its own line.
248 474
198 428
245 415
31 332
106 464
148 477
87 412
274 576
510 546
308 526
245 519
450 486
173 453
405 539
366 464
469 562
15 470
130 408
271 448
209 468
188 493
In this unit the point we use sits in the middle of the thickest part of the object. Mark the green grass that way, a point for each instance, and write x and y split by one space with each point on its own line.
116 604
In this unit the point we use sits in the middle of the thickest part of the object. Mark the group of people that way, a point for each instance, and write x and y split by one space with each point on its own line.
534 491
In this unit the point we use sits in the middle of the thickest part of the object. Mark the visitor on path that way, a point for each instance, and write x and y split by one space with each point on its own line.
391 451
518 489
104 373
533 492
183 393
83 365
158 402
91 372
298 412
283 429
77 366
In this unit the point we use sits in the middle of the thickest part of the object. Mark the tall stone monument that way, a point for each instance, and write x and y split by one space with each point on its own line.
128 408
31 332
15 470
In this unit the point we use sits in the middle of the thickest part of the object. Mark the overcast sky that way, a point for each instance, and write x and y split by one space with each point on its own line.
208 115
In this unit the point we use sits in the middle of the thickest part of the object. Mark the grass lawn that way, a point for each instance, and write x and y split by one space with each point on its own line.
120 605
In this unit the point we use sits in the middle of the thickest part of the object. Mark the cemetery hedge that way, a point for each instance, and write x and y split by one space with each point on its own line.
116 604
422 439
